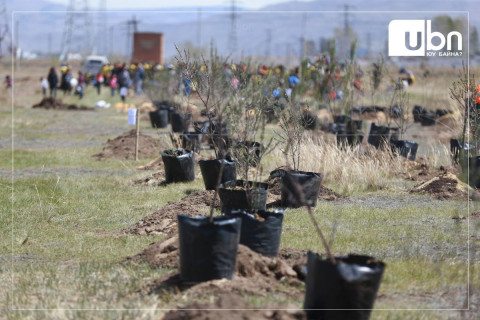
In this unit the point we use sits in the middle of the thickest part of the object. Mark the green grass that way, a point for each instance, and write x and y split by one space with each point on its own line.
66 253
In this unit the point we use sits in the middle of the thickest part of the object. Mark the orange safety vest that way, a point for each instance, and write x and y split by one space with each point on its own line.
477 94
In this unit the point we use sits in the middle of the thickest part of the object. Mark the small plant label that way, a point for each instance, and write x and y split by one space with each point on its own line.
132 116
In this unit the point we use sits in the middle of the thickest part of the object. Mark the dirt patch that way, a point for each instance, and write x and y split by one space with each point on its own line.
473 215
275 192
123 147
156 164
233 301
164 221
254 274
155 179
162 254
57 104
444 186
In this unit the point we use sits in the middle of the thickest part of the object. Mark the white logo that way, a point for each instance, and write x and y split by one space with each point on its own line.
413 38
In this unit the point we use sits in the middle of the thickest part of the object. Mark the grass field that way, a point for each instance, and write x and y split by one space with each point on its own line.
60 253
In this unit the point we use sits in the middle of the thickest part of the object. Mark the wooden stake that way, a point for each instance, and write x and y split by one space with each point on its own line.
136 135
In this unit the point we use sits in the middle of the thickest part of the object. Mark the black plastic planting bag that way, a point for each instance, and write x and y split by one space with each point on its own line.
309 121
378 136
351 283
349 139
211 169
233 195
191 141
159 118
294 183
181 122
208 250
406 149
179 168
417 112
261 233
428 119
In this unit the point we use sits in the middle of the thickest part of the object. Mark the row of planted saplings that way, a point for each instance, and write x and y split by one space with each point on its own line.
336 287
166 113
349 133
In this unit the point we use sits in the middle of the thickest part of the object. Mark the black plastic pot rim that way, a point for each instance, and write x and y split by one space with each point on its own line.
251 213
185 153
344 260
205 221
304 173
216 160
254 185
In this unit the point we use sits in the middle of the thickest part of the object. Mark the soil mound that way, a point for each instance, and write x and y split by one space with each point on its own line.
254 274
164 221
232 301
51 103
444 186
155 179
123 147
156 164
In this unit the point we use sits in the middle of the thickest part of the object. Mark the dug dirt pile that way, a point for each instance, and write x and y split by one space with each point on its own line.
164 221
123 147
444 186
233 301
57 104
254 274
155 179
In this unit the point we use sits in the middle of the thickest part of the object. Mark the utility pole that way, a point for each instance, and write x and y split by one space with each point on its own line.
49 41
102 23
268 43
110 35
17 44
77 29
346 32
131 30
4 29
232 40
369 44
199 28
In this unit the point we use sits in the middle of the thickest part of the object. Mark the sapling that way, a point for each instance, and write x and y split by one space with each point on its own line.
291 134
462 93
376 74
214 91
247 120
400 100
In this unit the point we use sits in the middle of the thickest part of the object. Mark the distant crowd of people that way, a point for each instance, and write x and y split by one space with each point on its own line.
117 77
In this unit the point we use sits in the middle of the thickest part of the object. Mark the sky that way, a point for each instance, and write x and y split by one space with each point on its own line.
148 4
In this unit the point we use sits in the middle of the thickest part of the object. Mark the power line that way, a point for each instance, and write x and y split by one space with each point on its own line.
101 25
131 30
268 42
199 28
232 39
78 29
4 29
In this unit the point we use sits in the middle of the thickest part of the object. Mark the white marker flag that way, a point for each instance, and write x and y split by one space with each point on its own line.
132 116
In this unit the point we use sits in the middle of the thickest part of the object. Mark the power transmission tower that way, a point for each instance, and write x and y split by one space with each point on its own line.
369 44
131 30
100 46
232 39
5 38
199 28
302 38
268 42
78 29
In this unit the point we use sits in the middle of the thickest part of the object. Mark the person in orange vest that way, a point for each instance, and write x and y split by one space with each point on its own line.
477 96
